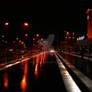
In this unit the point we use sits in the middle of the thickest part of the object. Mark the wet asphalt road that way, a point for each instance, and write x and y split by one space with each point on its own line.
26 77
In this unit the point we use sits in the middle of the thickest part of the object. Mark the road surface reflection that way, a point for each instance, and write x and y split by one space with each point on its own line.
21 72
24 79
5 79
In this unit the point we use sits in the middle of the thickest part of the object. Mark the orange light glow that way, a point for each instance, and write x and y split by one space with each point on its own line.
37 59
20 41
89 23
67 33
36 70
90 30
89 36
88 10
25 71
6 24
6 80
36 66
24 82
26 24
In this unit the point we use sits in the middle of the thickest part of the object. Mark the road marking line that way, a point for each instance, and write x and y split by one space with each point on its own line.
87 82
70 84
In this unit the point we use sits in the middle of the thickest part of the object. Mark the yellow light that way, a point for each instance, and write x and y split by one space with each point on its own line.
67 33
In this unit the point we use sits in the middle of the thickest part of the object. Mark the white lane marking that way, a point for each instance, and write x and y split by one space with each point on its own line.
80 75
70 84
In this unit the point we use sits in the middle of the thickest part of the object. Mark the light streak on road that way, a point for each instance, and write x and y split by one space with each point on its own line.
70 84
21 60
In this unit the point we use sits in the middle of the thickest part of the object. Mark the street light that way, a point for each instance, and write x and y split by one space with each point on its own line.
3 36
66 37
26 24
17 38
37 35
6 23
20 41
41 39
73 33
26 35
33 39
67 34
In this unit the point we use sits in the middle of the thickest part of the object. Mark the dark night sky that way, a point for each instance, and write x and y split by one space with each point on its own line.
48 16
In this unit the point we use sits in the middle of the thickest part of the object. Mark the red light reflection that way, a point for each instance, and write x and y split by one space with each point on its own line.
37 59
41 60
36 70
33 61
23 83
5 80
36 66
24 79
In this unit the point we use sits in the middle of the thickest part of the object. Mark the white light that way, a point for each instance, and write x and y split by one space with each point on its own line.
88 17
6 24
81 38
70 84
52 51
